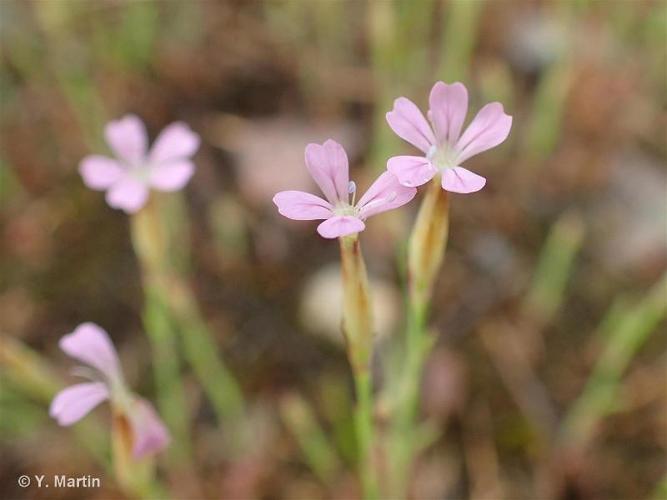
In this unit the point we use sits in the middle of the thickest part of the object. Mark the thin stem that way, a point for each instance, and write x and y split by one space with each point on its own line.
147 236
153 238
426 249
358 330
167 372
403 444
363 420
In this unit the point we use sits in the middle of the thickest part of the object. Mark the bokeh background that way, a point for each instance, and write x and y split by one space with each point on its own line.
548 379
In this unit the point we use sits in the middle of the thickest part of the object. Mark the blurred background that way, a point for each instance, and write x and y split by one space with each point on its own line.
548 378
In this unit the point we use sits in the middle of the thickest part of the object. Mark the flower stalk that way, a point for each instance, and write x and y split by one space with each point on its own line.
344 218
171 306
150 243
426 249
358 331
444 145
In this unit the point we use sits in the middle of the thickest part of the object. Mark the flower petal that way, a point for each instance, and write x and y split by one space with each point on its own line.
460 180
340 225
99 172
149 433
127 138
75 402
176 142
328 165
298 205
489 128
409 124
91 345
411 170
449 106
128 194
171 176
386 193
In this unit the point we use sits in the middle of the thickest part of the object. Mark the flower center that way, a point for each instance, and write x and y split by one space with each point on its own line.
140 171
442 156
344 209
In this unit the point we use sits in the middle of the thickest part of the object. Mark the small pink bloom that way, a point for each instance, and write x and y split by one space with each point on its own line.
328 165
128 177
441 140
91 345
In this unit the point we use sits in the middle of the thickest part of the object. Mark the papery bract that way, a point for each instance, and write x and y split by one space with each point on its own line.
129 176
329 167
91 345
441 141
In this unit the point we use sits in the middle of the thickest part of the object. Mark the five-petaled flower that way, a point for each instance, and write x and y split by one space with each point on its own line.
91 345
443 144
128 177
328 165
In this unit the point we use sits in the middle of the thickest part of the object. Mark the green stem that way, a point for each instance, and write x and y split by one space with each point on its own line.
417 350
363 420
364 428
148 239
167 372
426 249
156 242
358 330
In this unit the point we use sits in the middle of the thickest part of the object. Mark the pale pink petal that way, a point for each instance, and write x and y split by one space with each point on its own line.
386 193
176 142
170 176
91 345
99 172
127 138
460 180
338 226
409 124
298 205
411 170
149 433
328 165
75 402
449 106
489 128
128 194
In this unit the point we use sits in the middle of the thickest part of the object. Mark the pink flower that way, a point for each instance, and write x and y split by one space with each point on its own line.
441 141
128 177
328 165
91 345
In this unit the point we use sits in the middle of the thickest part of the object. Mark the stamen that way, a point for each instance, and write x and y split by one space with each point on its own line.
352 189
